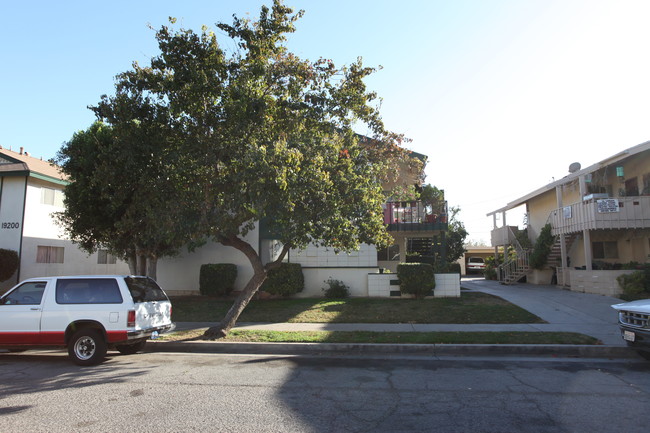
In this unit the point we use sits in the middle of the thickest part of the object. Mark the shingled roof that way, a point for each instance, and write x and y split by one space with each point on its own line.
22 163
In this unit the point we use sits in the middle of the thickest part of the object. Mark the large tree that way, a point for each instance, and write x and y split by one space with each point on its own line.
258 134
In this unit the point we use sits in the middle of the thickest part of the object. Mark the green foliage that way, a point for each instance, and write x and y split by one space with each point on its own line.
456 235
285 280
632 284
416 279
636 283
217 279
453 268
8 263
523 239
545 240
336 289
491 266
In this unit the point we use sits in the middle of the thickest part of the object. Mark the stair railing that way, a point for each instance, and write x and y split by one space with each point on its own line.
513 268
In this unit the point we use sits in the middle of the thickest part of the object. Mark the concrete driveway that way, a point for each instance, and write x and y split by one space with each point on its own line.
564 310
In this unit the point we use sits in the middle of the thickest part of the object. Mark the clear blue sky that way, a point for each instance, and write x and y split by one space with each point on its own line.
502 95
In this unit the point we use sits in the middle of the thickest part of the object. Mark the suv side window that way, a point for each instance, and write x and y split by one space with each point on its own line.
27 294
144 289
88 291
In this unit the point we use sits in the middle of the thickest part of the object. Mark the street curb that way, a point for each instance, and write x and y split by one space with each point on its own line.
556 350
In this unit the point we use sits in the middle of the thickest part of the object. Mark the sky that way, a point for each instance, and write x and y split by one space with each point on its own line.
501 95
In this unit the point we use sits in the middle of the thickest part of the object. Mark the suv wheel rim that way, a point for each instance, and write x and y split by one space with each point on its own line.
84 348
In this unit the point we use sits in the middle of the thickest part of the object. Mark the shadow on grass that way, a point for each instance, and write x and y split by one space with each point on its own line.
472 307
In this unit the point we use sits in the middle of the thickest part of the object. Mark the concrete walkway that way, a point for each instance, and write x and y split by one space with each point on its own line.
565 311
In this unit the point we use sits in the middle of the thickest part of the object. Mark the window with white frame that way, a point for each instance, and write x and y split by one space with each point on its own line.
48 254
52 197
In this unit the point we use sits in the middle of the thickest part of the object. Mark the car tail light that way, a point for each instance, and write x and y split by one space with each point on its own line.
130 319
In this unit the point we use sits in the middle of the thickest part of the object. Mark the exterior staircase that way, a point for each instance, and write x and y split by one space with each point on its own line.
555 256
517 267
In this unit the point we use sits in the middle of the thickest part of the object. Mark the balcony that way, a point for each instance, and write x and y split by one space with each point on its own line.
415 216
595 213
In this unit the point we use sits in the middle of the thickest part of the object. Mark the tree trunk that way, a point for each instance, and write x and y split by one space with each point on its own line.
133 266
259 275
152 267
140 264
226 324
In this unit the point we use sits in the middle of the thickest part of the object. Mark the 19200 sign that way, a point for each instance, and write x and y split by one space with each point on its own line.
10 225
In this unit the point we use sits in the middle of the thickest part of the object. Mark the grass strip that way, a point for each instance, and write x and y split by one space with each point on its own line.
470 307
260 336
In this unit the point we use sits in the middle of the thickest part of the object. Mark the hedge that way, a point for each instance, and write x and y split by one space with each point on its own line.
416 279
217 279
8 263
285 280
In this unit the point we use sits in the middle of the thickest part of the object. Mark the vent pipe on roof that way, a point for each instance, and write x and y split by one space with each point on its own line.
21 150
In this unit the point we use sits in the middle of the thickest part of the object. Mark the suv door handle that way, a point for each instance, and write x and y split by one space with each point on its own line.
35 309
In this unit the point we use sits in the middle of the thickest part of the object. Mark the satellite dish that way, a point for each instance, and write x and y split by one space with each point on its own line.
574 167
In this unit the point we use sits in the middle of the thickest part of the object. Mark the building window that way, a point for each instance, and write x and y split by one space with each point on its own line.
390 254
52 197
46 254
605 250
104 258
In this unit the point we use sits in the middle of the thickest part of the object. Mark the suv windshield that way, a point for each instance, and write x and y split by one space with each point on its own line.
144 289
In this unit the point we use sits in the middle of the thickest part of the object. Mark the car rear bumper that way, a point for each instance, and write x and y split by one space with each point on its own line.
146 333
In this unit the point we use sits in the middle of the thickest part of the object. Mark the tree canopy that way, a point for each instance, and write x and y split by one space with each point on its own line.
211 142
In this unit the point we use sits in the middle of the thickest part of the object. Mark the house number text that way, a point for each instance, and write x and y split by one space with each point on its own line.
10 225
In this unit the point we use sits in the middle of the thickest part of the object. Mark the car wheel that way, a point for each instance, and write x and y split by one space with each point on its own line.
130 349
87 347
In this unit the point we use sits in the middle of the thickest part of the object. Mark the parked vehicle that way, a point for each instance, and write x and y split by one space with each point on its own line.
86 314
475 264
634 321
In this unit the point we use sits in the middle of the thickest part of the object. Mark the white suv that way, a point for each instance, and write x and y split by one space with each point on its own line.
86 314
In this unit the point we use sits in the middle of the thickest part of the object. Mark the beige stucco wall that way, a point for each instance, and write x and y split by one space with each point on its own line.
597 282
539 208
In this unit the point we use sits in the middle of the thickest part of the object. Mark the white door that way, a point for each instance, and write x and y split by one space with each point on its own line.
20 314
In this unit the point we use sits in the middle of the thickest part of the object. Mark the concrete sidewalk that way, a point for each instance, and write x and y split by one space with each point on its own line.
565 311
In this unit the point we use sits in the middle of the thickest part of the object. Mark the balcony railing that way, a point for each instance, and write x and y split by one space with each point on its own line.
415 216
602 213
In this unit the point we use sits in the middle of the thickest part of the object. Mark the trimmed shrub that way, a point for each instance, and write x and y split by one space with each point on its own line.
285 280
632 284
336 289
416 279
8 263
217 279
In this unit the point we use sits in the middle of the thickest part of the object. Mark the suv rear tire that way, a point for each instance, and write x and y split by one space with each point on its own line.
87 347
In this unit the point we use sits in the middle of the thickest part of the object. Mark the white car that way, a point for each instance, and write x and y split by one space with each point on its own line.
475 264
86 314
634 321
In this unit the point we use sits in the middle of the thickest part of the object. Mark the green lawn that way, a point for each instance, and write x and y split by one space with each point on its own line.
471 307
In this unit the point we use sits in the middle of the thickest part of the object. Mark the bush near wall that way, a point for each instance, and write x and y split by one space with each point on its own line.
636 283
416 279
217 279
285 280
8 263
